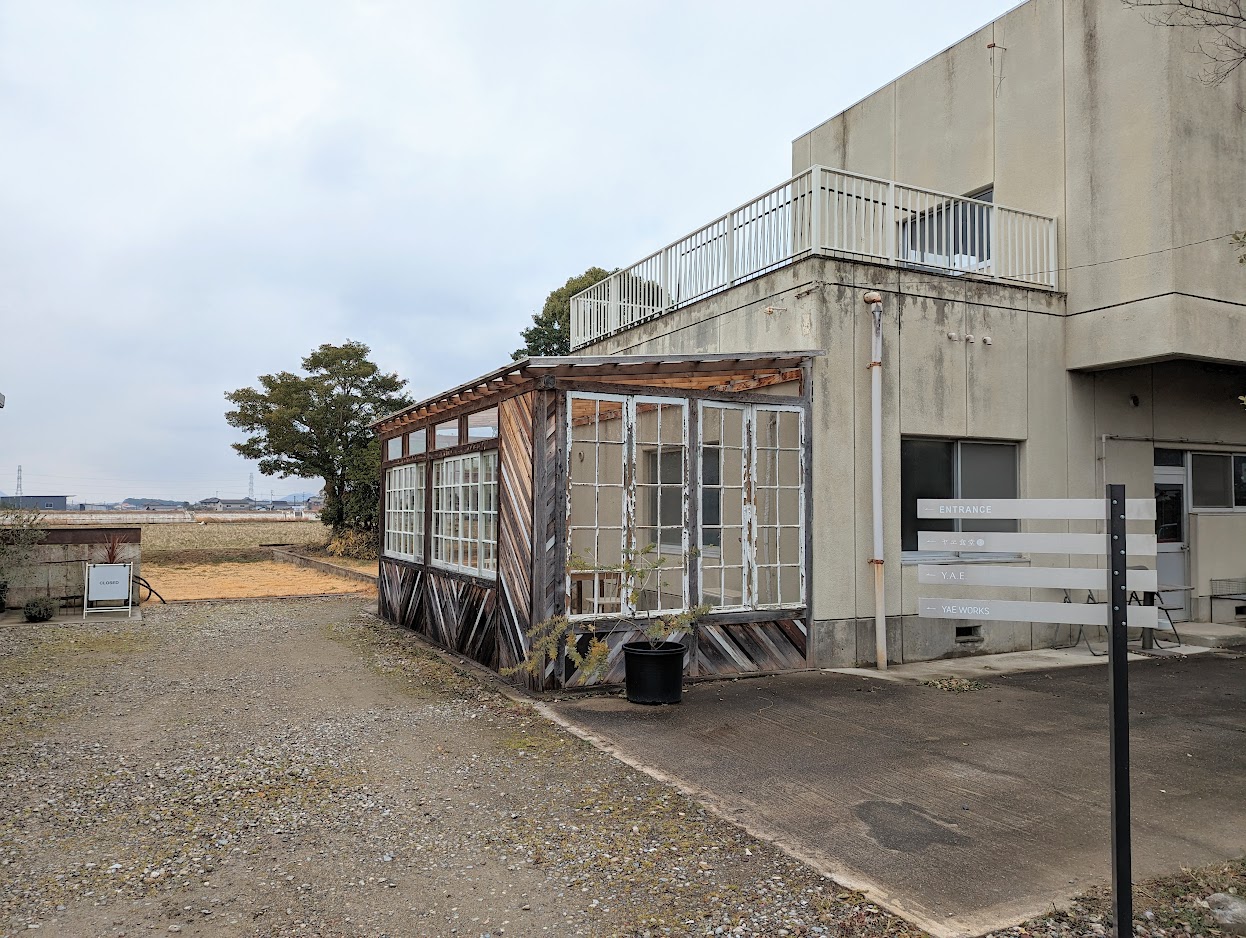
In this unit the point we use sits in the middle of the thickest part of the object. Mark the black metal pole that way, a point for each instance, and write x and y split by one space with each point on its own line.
1118 713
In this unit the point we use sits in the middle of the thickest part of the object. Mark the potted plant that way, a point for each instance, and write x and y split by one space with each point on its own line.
653 666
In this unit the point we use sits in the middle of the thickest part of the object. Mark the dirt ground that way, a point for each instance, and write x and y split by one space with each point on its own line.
243 580
296 768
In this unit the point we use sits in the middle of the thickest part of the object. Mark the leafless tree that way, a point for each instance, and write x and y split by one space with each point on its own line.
1220 26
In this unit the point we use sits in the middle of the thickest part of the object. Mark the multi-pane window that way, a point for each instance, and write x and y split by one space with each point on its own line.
659 432
465 513
1218 480
627 500
953 469
404 512
778 491
752 506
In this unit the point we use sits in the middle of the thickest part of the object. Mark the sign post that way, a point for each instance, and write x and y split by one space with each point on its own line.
1118 714
1116 615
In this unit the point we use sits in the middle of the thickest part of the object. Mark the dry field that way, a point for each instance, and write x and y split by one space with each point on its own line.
181 581
235 534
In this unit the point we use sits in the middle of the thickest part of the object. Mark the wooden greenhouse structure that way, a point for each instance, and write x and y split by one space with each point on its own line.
514 497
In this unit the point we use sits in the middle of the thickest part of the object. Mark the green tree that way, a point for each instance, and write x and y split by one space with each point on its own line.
319 424
550 332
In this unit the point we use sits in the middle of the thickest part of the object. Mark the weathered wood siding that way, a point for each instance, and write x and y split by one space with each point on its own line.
486 622
718 650
515 486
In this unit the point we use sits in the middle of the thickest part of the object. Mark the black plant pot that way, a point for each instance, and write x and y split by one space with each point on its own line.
654 675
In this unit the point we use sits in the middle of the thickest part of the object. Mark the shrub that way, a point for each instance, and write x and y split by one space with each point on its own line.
40 609
358 545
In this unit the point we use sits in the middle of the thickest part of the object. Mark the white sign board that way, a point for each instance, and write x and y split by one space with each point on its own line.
1068 578
1138 545
1006 610
108 581
1056 509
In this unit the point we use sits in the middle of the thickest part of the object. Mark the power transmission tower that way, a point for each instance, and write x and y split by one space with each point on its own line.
251 487
18 493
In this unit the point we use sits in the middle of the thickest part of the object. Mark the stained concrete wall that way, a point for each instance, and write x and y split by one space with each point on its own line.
56 568
1086 112
1015 389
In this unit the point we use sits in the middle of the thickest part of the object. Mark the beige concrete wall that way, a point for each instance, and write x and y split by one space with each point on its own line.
1086 112
1016 388
1013 389
1217 550
56 571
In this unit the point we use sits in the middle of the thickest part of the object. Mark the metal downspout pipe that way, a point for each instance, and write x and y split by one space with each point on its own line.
875 302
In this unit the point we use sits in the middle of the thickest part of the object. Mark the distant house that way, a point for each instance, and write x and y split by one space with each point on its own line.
225 504
38 502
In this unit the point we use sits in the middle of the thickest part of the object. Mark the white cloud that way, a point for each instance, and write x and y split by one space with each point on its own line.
192 195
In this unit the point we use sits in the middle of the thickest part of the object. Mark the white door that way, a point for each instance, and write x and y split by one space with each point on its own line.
1171 526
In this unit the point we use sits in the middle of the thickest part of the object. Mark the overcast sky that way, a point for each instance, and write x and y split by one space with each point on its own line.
194 194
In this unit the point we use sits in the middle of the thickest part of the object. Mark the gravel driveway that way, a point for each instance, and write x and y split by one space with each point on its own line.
297 768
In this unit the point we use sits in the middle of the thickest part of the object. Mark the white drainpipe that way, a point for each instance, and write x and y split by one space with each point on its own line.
875 302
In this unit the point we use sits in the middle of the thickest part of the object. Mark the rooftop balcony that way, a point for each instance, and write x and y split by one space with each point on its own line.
830 212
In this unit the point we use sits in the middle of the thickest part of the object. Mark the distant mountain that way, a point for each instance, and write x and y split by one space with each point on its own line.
297 496
155 502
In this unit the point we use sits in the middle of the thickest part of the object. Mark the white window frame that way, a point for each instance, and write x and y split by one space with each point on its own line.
404 511
629 404
749 507
449 505
1193 509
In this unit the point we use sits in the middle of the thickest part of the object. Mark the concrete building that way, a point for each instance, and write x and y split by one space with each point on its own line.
37 502
1044 209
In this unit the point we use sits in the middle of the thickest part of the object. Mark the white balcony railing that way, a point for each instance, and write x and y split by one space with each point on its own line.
823 211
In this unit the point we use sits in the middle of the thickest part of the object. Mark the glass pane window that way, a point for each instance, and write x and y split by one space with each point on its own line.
659 432
778 490
1239 481
627 499
393 448
751 543
446 434
482 425
465 509
417 442
404 512
927 470
1211 475
954 469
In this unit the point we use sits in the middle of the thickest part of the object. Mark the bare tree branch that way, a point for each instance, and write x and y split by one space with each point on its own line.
1221 26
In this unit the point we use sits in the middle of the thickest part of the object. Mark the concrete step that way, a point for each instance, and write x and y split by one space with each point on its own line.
1212 634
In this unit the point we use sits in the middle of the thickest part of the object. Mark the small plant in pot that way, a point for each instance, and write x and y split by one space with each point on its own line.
653 666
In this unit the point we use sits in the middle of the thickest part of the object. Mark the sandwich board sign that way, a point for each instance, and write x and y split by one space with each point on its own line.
1114 614
106 582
